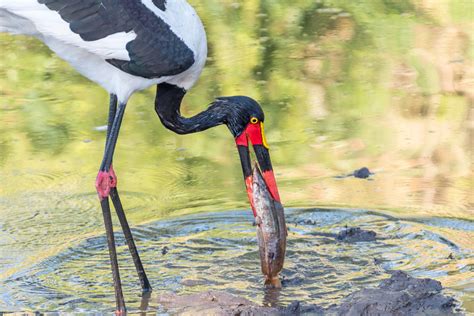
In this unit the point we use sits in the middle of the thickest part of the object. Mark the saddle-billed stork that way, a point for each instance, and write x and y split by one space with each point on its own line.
126 46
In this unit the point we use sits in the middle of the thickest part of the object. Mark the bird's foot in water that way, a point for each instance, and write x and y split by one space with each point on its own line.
105 181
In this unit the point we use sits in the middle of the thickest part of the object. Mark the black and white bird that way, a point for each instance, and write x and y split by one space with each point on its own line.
130 45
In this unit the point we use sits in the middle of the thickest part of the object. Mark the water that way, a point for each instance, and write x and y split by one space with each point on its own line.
386 86
203 255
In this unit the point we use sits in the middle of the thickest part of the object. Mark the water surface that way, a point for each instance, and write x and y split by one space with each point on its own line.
386 85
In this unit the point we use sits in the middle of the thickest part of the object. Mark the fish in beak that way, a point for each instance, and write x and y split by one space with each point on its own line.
265 201
271 230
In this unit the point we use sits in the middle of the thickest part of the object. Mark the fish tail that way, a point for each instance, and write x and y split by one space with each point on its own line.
273 282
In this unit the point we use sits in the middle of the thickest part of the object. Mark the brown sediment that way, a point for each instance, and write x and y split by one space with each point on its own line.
400 294
212 303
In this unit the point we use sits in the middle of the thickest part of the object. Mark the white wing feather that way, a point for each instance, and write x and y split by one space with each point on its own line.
48 24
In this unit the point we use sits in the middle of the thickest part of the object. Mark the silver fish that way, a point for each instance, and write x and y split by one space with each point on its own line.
271 230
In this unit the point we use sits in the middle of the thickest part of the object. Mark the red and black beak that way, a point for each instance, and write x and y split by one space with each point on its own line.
254 132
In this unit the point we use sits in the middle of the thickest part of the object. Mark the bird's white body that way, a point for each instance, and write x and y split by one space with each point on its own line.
29 17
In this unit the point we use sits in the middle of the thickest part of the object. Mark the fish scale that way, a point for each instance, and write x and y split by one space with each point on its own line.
271 230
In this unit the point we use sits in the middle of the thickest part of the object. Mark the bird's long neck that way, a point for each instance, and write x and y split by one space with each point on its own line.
167 106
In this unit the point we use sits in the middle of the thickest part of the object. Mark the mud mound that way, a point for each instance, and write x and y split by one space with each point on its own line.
356 234
212 303
401 294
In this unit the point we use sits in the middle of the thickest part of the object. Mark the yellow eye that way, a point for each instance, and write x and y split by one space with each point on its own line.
254 120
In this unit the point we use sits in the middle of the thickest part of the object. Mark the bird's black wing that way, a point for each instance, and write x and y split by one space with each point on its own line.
155 52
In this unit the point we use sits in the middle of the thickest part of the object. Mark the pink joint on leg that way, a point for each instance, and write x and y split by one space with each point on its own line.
113 177
105 181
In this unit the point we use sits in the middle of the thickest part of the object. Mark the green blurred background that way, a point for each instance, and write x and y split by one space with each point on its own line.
383 84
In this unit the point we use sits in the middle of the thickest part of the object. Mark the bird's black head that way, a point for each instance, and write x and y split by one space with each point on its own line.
240 111
243 116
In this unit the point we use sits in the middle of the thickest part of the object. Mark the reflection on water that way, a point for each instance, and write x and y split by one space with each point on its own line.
384 84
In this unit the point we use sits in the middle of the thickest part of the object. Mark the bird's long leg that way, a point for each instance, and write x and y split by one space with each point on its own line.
105 181
112 112
113 256
146 287
145 284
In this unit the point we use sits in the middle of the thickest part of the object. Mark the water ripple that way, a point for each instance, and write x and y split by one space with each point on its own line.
218 251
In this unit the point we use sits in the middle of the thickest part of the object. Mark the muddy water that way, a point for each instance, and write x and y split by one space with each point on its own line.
385 86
